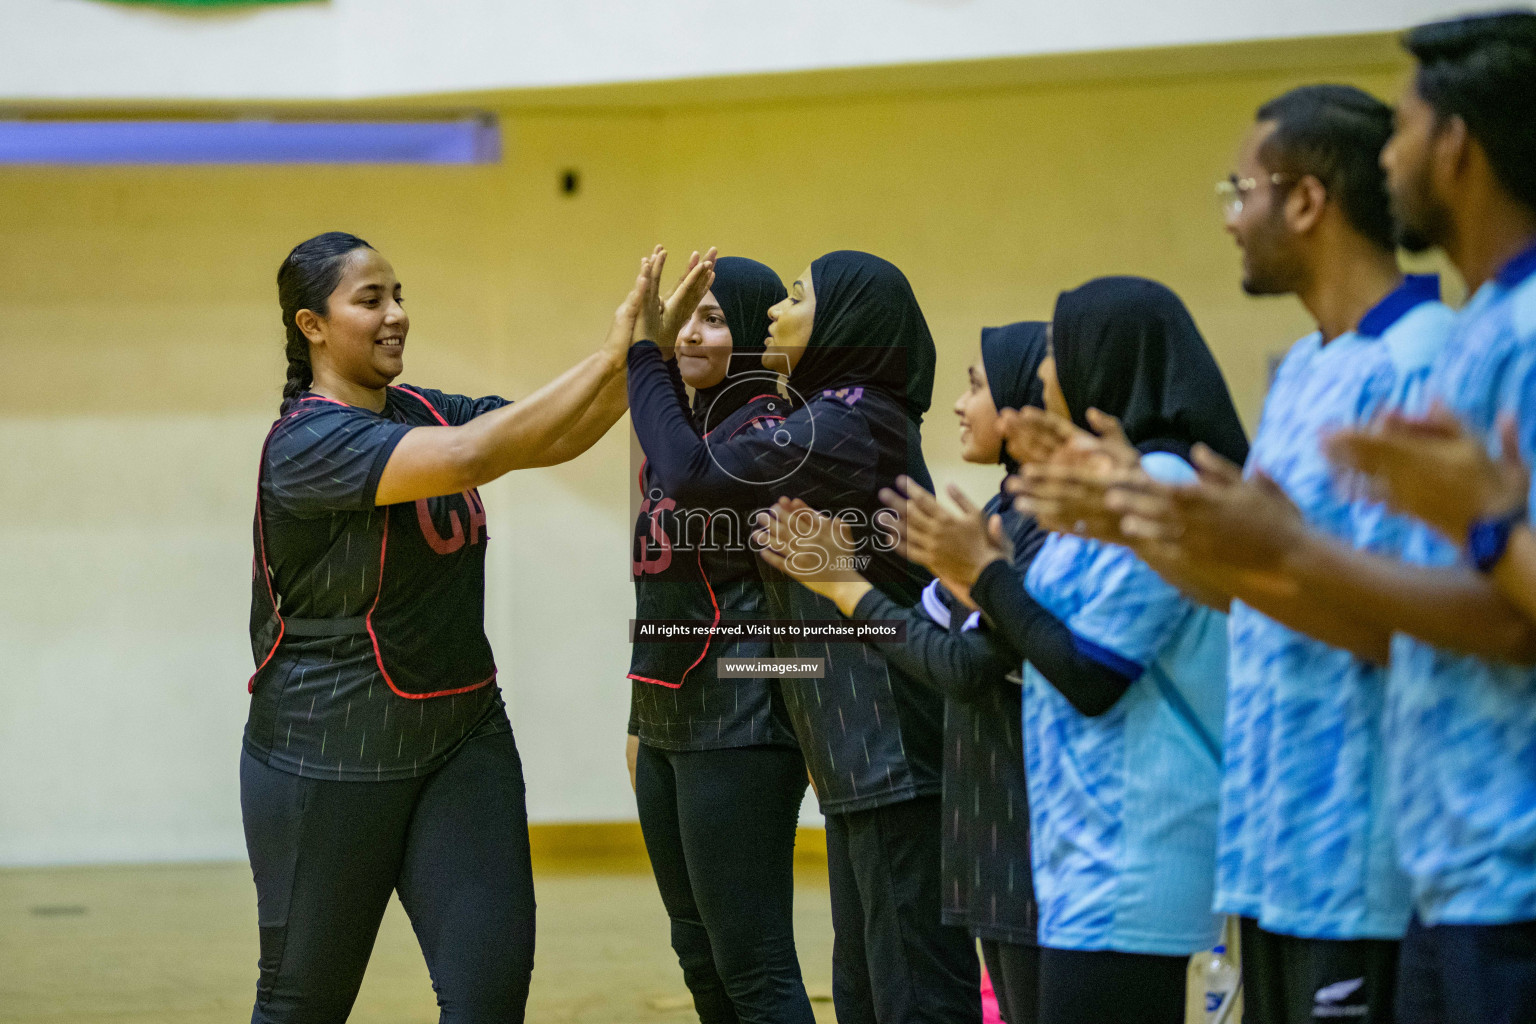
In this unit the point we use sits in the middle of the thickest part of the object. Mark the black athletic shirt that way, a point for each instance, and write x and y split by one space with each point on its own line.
699 568
361 706
870 735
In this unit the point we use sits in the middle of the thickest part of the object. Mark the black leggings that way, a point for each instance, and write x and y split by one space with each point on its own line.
1106 987
327 855
1015 972
719 826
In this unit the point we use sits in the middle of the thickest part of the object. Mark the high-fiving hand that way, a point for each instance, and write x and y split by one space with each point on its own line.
660 319
622 333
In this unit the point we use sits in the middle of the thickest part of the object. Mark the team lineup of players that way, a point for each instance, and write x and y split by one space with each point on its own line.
1162 677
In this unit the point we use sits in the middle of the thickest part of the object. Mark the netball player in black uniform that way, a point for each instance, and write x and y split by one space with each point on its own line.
719 779
861 376
377 755
988 887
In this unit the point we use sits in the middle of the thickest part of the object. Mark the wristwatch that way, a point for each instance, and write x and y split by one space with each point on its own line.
1487 538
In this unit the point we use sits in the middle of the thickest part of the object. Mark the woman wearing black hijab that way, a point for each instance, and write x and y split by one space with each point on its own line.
1129 344
718 776
1124 681
986 865
860 362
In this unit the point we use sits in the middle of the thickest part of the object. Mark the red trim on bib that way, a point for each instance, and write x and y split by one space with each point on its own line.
378 655
658 682
266 574
714 603
423 400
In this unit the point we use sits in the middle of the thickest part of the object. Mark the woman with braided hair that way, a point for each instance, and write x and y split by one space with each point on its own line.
378 756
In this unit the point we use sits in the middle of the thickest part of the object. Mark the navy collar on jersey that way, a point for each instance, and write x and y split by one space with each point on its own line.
1415 290
1517 269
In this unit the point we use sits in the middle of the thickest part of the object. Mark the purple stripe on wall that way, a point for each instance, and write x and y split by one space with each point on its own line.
91 143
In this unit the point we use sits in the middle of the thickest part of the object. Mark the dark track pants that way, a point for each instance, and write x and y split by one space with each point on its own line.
1015 972
327 855
1107 987
719 826
1467 974
1292 980
893 960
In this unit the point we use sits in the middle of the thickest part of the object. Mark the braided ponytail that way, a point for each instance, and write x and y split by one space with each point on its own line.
305 281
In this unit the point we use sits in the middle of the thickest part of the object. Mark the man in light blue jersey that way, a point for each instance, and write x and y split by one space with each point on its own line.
1305 855
1461 708
1463 729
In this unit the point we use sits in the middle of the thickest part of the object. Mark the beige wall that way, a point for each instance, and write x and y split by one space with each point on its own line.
139 336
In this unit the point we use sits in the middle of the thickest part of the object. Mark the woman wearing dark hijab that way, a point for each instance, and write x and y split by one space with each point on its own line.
1127 343
860 362
1124 681
986 867
718 776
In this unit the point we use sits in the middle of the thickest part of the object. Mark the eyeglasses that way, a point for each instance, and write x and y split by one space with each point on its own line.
1232 191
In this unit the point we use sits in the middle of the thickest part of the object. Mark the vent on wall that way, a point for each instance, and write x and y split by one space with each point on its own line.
468 140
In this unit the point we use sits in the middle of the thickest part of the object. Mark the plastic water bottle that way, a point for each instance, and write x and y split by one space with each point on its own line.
1217 978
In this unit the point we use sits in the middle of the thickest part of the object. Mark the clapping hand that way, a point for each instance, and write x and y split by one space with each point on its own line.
804 544
1222 518
1033 435
953 545
1433 468
1067 492
816 550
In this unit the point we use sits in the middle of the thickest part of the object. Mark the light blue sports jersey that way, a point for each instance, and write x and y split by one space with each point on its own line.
1462 731
1305 843
1123 806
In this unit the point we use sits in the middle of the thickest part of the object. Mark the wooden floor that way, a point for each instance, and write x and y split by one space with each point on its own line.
177 945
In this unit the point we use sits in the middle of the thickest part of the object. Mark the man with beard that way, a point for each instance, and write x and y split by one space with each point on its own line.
1462 170
1305 857
1460 608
